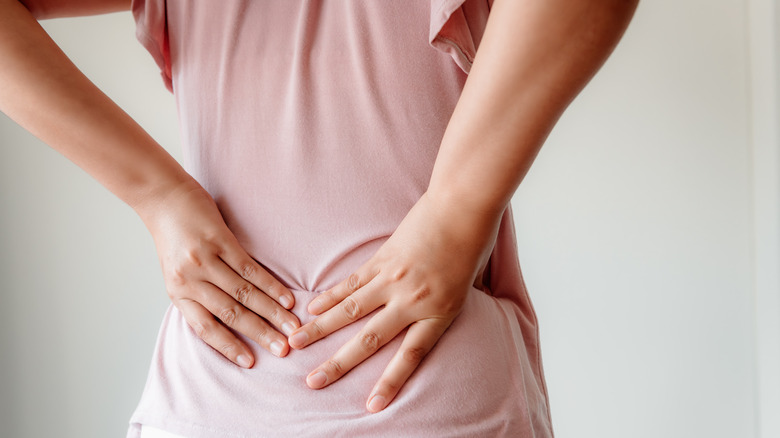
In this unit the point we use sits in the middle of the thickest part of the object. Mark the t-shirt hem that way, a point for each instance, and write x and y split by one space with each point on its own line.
172 425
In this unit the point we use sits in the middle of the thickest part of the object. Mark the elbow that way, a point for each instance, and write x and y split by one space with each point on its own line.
43 9
37 9
628 7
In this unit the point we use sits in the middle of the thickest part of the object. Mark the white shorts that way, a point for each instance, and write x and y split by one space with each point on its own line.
153 432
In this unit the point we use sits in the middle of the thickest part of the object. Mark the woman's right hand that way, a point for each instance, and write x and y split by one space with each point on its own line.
212 280
207 273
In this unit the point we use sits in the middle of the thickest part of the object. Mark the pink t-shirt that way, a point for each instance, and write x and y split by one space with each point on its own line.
315 126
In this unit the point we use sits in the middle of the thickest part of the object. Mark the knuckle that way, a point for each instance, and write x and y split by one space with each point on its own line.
270 289
177 276
326 298
316 329
175 292
399 274
451 307
275 314
414 355
247 270
353 282
193 257
199 329
369 341
203 329
334 367
421 293
392 386
212 242
260 333
242 293
351 308
227 350
228 315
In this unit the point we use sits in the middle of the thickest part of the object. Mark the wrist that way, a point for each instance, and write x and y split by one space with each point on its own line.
469 228
470 207
156 199
468 232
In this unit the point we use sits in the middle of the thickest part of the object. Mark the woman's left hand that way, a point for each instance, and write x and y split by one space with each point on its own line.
421 276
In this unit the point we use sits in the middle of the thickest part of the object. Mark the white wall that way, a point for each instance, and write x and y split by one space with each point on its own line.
764 37
634 230
635 235
82 293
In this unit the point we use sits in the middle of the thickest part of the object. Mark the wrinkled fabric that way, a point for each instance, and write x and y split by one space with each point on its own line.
315 126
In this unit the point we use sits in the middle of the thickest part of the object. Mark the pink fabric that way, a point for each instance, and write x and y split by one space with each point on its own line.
315 126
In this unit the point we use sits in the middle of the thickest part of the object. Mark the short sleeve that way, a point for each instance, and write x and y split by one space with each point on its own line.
457 26
152 32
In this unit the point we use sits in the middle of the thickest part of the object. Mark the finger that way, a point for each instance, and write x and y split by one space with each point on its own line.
252 298
213 333
377 332
418 342
248 269
239 318
346 312
347 287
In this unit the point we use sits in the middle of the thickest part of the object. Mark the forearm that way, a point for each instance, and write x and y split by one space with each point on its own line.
534 58
47 95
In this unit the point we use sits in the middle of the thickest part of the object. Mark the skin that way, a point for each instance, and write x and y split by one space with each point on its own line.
534 58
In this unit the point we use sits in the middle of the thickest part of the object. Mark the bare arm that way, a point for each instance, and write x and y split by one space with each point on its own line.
41 9
206 271
534 58
45 93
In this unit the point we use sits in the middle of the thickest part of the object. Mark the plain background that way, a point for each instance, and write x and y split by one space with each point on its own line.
639 229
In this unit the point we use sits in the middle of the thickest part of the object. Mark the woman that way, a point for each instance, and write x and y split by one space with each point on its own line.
345 203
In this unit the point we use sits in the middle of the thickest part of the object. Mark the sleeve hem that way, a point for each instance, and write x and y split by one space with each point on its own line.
456 26
151 32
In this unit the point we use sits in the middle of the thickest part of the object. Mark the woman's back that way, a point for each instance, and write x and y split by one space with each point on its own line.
315 126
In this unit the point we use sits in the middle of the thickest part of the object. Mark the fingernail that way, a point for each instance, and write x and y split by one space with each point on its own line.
315 307
285 301
276 348
317 380
288 328
376 404
244 360
299 339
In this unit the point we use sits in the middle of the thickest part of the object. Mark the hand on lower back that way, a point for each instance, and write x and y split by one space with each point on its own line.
213 281
420 276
